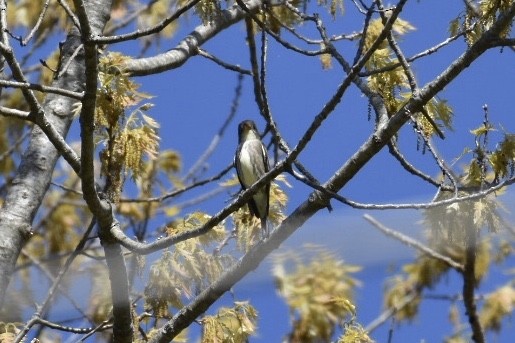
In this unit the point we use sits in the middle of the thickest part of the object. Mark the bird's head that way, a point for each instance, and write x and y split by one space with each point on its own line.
247 130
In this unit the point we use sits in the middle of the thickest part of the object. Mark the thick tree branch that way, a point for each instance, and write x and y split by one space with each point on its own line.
123 330
34 172
187 48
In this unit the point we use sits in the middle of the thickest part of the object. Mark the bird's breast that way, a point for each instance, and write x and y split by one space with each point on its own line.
249 164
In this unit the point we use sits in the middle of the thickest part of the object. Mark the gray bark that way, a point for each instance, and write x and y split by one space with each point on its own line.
26 192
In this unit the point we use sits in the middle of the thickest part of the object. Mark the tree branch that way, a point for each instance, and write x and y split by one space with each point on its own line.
123 330
413 243
56 283
40 88
34 173
470 282
146 32
187 48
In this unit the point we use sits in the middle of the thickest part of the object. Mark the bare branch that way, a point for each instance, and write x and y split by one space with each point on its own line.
413 243
40 88
470 282
69 12
36 26
387 314
181 190
123 330
223 64
11 112
141 33
187 48
57 281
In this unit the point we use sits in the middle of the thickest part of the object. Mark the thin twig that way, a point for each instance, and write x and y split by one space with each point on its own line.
64 68
413 243
470 282
407 206
441 163
181 190
394 151
148 31
223 64
40 88
201 198
387 314
70 13
51 292
36 26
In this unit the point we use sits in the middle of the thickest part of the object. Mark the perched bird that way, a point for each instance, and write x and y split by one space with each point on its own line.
251 161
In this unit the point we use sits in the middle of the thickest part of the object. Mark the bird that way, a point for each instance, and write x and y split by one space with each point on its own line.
251 162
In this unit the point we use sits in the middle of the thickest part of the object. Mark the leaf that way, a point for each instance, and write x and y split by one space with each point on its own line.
482 130
235 324
454 27
498 305
355 333
326 59
333 7
319 293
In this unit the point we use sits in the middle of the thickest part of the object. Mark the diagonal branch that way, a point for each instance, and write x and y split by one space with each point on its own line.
413 243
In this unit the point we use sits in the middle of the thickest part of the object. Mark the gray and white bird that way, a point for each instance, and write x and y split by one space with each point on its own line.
251 161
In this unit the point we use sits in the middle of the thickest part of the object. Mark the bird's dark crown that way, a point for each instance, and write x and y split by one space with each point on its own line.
245 126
